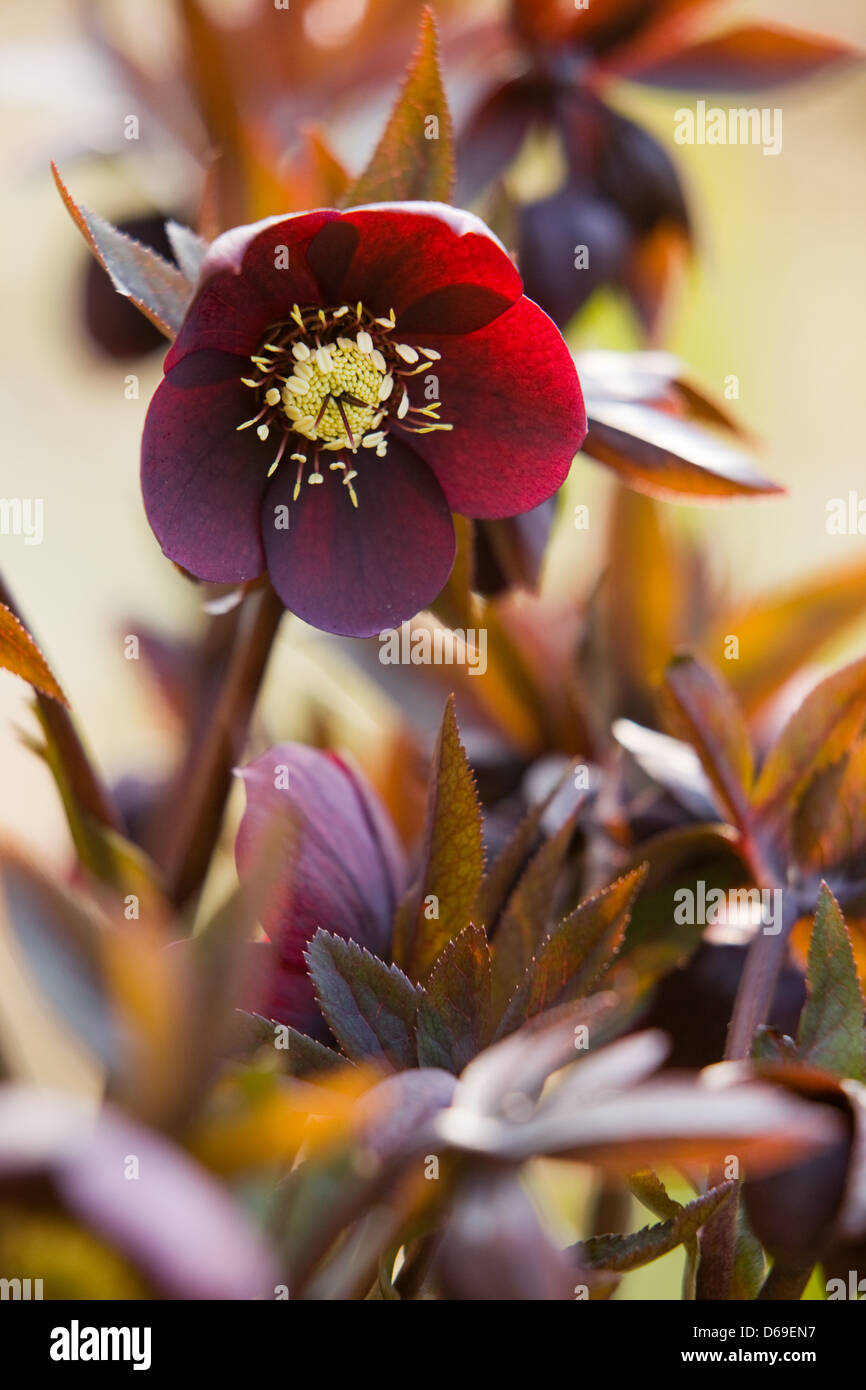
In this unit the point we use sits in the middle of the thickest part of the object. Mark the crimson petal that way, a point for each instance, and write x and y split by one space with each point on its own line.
512 394
245 286
201 479
355 571
439 268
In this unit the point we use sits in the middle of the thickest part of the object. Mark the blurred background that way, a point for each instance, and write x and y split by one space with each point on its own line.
775 296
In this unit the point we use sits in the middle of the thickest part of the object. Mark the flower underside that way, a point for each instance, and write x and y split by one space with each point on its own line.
330 382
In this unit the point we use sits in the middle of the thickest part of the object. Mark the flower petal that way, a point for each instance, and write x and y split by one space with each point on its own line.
440 269
347 877
246 285
202 480
355 571
512 394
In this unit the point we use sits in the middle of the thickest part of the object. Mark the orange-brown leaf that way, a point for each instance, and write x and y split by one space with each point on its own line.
20 654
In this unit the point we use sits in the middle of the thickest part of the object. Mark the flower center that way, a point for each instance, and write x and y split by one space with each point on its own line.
331 383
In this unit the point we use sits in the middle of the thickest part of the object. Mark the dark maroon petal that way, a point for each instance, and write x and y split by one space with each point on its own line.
245 287
202 480
550 232
355 571
346 877
512 394
440 269
496 130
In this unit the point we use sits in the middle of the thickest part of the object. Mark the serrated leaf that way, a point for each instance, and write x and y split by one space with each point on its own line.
575 953
622 1253
20 655
819 732
502 875
370 1007
648 1187
453 859
526 915
407 163
831 1033
454 1017
155 286
298 1054
704 711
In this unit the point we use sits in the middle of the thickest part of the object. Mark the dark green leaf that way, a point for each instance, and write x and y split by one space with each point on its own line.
370 1007
454 1018
831 1033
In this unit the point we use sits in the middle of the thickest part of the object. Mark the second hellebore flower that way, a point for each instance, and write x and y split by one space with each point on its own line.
341 383
348 876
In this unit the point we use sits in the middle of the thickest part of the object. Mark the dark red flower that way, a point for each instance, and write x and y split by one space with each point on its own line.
348 874
341 383
621 198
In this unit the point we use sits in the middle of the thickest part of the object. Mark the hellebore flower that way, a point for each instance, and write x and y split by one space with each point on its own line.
341 383
347 876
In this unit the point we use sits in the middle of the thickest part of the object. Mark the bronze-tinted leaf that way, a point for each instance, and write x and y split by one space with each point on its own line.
438 907
705 712
527 914
669 458
746 59
414 158
778 633
573 956
815 736
829 823
644 590
155 286
20 654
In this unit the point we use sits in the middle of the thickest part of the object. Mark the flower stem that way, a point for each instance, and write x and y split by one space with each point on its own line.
198 793
786 1281
718 1239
